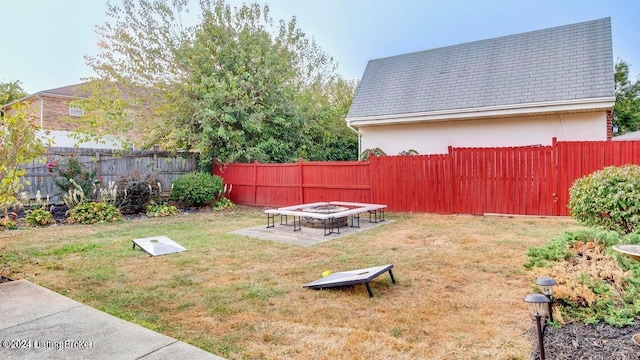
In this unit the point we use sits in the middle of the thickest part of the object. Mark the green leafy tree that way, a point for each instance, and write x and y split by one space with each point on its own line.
243 103
626 112
10 91
19 144
326 108
237 86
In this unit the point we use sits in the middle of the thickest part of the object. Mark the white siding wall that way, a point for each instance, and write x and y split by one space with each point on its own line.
62 138
436 137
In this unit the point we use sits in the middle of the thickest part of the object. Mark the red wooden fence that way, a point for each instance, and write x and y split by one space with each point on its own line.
531 180
510 180
297 183
577 159
412 183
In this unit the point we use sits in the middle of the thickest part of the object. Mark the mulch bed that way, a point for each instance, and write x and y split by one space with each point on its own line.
4 279
589 342
59 212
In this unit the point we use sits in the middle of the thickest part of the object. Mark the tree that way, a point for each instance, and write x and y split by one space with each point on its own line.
137 69
626 112
235 87
19 144
331 139
10 91
242 88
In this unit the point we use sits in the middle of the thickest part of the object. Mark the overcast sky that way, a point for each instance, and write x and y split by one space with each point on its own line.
42 42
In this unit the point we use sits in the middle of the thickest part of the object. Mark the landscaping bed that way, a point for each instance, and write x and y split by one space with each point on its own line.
580 341
589 278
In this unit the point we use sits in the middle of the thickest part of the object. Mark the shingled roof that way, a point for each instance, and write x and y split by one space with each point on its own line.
69 91
562 65
66 91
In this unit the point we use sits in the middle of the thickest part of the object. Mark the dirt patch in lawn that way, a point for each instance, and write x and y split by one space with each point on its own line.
459 292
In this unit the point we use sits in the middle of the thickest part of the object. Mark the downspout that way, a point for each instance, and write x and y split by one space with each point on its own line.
359 138
41 112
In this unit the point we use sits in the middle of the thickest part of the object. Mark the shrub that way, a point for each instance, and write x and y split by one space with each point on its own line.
609 198
7 223
136 191
559 248
156 210
223 203
93 212
222 198
196 189
367 153
595 284
74 195
72 169
39 217
408 152
107 195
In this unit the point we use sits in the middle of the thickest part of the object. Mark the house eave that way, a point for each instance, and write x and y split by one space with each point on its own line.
41 93
61 95
551 107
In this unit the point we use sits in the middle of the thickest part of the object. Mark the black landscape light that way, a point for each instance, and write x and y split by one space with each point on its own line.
546 285
538 308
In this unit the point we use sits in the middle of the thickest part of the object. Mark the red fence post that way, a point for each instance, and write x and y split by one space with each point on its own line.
555 176
453 187
378 189
255 182
450 184
301 187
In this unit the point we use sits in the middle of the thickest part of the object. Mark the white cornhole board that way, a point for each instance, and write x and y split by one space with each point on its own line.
158 245
353 277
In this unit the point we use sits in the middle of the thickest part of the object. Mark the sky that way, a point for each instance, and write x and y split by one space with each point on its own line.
43 42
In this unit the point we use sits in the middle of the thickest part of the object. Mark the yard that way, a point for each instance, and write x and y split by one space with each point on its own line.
459 292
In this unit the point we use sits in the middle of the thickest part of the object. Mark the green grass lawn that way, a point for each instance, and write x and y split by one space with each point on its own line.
459 292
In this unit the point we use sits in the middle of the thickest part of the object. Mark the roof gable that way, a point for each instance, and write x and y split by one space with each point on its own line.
69 91
563 63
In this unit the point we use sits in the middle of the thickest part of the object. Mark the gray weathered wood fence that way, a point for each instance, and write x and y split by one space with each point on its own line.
110 165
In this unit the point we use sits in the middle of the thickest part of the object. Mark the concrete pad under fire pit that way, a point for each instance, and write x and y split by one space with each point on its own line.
308 237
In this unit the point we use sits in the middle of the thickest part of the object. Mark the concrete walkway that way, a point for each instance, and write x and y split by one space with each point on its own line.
36 323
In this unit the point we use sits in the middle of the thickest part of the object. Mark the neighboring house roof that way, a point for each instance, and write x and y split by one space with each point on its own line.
69 91
66 91
634 135
547 70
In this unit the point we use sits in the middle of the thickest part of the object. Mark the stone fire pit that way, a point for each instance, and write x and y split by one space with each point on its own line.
323 209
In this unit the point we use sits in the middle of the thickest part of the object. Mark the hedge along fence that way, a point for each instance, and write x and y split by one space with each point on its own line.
109 166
